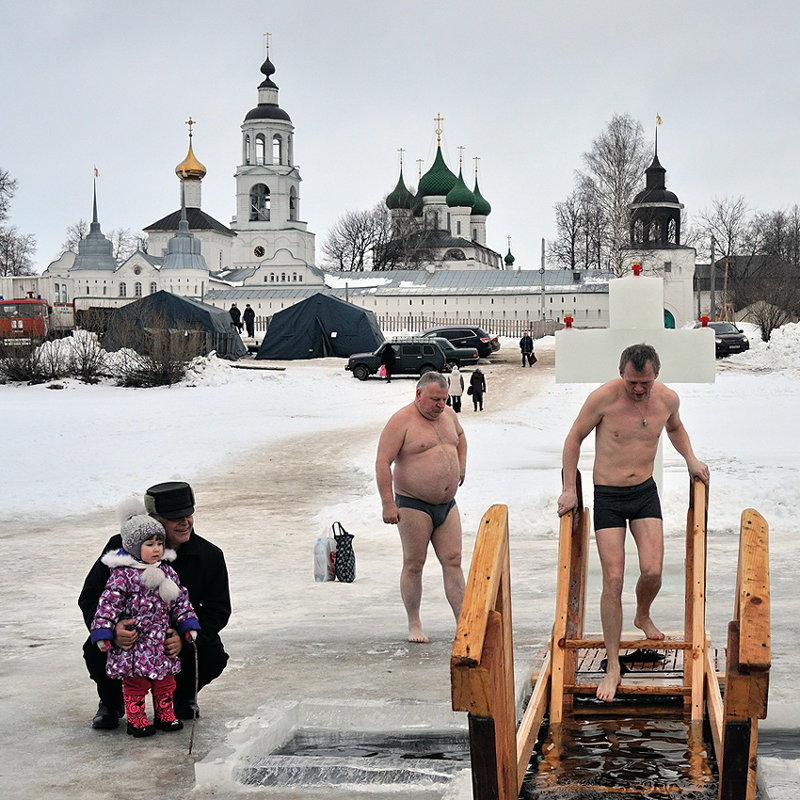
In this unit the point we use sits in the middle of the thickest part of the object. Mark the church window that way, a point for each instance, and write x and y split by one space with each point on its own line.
475 234
104 290
277 149
667 266
247 155
671 232
123 290
638 231
64 297
652 235
137 289
259 203
87 288
455 255
300 278
294 277
58 293
153 287
260 148
283 277
271 277
292 204
458 228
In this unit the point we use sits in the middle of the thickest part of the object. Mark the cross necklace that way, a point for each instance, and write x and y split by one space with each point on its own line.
647 405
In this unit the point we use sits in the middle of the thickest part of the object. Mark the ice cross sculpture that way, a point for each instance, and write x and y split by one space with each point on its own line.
636 315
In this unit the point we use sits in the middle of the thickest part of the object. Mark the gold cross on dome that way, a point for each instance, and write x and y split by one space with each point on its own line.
419 167
190 122
401 150
266 42
461 150
476 159
438 119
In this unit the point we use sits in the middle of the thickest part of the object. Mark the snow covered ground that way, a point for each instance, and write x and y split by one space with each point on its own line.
275 455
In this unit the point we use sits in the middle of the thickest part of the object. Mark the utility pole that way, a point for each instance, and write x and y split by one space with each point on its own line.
712 305
541 275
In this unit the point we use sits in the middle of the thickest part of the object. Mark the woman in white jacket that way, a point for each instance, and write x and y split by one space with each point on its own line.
456 388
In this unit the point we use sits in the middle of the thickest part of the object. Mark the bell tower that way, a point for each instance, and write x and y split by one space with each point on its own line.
268 184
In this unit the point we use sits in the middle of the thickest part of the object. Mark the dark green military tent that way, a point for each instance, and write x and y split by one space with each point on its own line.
319 326
193 327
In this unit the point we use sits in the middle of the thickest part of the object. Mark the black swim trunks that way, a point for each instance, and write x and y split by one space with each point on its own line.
615 505
437 512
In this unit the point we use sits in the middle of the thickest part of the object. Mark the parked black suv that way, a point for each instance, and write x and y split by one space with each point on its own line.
464 336
728 338
415 357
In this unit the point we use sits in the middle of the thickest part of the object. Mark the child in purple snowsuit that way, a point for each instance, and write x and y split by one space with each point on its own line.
143 587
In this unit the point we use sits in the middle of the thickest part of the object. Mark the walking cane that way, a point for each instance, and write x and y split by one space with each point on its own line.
196 690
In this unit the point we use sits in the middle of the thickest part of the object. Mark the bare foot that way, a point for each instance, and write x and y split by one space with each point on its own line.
650 631
415 634
607 688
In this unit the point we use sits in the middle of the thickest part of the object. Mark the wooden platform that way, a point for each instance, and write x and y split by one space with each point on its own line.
662 677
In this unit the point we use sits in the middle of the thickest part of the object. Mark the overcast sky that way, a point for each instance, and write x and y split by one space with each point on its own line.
526 86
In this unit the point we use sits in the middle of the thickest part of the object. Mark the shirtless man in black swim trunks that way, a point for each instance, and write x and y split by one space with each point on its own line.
627 416
427 446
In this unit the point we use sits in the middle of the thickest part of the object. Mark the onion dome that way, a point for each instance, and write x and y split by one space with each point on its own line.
655 190
460 196
509 259
438 180
400 196
267 107
190 169
481 207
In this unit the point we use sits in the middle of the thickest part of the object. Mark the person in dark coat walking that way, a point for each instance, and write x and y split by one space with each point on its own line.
236 317
477 385
202 570
388 358
526 348
249 317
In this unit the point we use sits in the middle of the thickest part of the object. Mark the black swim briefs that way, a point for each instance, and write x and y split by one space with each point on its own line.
615 505
436 511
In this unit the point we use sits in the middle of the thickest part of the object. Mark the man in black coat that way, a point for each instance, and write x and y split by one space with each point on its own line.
526 348
202 570
236 317
249 318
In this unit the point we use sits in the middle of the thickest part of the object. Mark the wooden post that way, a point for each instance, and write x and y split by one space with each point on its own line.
749 660
694 657
570 603
482 663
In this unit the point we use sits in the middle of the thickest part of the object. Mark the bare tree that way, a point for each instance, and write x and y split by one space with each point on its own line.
16 251
564 249
75 234
351 240
728 220
613 174
8 188
123 243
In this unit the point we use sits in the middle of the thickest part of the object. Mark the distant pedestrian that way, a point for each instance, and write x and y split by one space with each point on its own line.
526 348
477 388
388 357
250 320
236 317
455 383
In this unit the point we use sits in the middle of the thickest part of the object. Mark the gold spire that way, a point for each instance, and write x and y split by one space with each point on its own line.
190 169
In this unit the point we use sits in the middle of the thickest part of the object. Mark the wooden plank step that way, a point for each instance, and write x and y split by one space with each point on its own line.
629 644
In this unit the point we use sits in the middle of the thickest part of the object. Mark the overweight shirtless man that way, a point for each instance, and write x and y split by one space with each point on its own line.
426 444
627 416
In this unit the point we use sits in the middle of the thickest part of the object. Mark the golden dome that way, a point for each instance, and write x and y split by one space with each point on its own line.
190 169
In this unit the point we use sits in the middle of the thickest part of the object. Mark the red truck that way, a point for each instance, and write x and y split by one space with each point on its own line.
31 320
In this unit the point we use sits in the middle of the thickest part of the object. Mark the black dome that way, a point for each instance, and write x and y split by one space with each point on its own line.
656 195
267 111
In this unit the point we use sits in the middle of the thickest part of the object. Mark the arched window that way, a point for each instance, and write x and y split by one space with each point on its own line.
671 232
260 149
653 232
292 204
294 277
300 278
277 149
137 289
455 255
153 287
64 298
123 290
247 153
259 203
283 277
272 277
58 293
638 231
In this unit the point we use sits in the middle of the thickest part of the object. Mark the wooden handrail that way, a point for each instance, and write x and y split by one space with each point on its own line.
752 594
